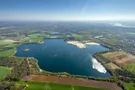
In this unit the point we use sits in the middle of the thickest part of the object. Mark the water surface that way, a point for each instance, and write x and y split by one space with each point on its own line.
55 55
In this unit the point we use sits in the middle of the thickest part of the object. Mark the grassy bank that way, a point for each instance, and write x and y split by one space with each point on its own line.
9 52
130 67
129 86
4 71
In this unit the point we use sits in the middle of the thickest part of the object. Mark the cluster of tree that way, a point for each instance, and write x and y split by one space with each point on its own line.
69 38
5 85
101 58
125 75
10 61
19 71
120 84
5 48
10 35
21 67
33 65
61 74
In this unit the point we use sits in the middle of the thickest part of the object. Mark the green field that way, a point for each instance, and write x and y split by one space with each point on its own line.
76 36
53 86
9 52
34 38
11 45
129 86
130 67
4 43
4 71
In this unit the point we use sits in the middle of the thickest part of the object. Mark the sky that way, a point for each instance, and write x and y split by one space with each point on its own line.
67 10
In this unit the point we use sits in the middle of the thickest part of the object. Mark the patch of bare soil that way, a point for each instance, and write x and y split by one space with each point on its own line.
112 66
121 58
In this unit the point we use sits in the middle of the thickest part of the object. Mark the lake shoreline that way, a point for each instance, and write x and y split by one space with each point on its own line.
90 43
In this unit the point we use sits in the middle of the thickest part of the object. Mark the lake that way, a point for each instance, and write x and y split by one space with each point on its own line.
55 55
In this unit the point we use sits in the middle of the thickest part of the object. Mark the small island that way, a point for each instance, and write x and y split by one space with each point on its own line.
26 49
41 42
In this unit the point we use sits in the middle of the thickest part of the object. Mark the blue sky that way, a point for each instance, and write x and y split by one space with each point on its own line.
67 9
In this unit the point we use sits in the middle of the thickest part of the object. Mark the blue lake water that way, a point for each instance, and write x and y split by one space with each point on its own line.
55 55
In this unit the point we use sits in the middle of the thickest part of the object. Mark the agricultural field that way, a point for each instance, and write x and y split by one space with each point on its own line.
121 58
130 67
53 86
5 42
77 36
7 47
11 45
73 81
9 52
130 86
34 38
112 66
4 71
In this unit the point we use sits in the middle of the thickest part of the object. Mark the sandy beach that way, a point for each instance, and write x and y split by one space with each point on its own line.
92 43
77 43
81 45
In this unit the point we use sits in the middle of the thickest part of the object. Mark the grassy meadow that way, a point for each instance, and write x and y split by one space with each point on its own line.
9 52
130 67
2 42
4 71
129 86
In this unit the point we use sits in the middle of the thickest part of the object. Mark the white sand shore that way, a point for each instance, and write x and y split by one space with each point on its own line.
92 43
77 43
81 45
41 70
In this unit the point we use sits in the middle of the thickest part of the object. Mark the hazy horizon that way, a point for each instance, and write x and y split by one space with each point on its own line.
67 10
